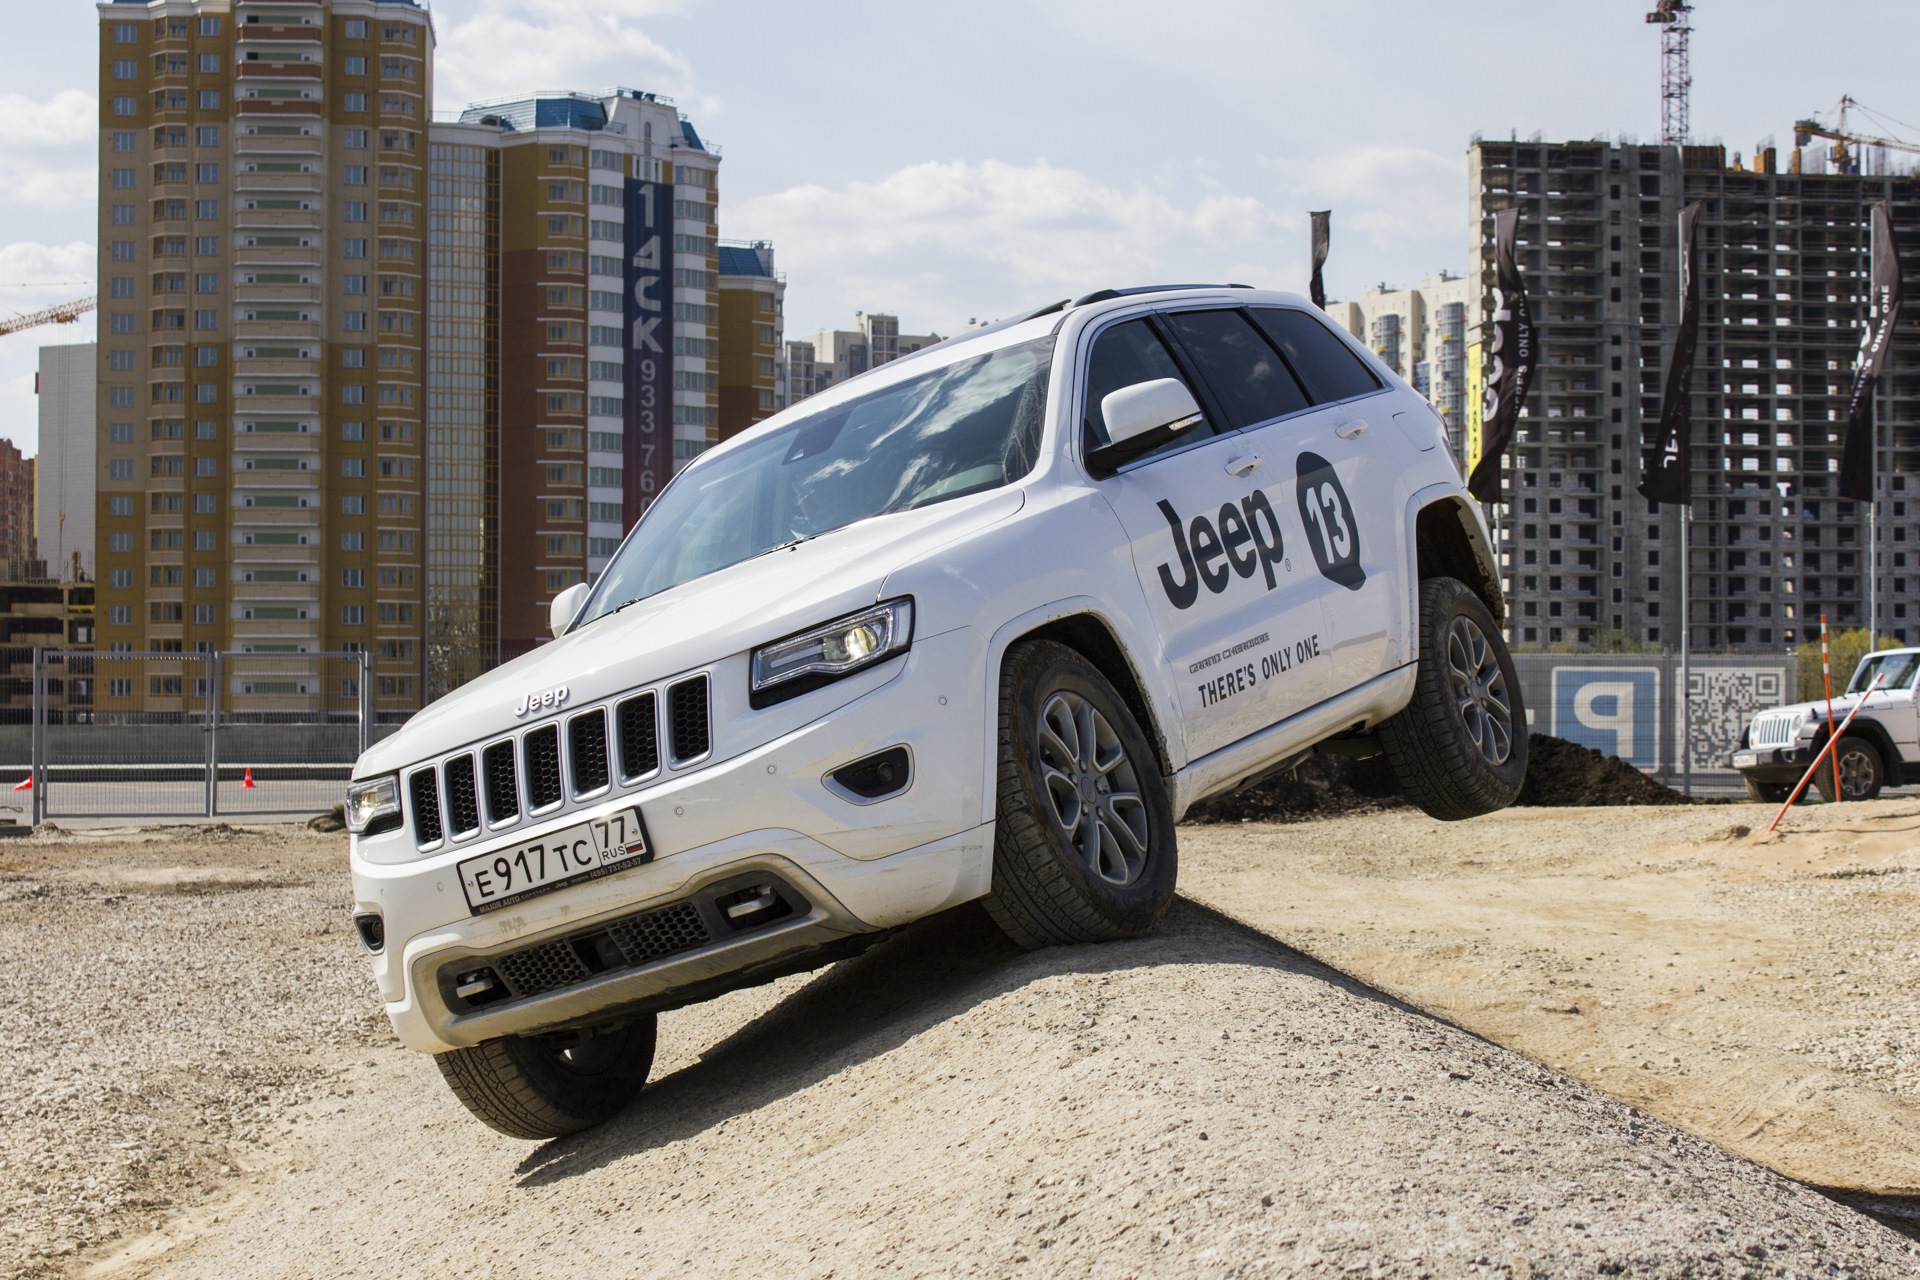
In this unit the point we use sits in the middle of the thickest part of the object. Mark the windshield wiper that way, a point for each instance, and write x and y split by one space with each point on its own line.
786 546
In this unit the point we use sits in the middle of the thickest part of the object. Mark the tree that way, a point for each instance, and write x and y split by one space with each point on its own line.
1846 648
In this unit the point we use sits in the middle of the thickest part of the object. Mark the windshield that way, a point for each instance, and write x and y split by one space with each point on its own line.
1898 668
957 429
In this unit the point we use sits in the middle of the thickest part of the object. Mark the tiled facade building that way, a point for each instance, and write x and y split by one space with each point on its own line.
753 362
1783 268
261 358
16 503
832 356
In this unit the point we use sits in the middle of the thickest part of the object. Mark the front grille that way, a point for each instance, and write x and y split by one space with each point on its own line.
484 790
625 944
503 782
463 799
542 750
687 729
639 737
587 751
1773 731
425 793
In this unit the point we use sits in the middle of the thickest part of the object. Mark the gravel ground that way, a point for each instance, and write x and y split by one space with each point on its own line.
1204 1101
1755 989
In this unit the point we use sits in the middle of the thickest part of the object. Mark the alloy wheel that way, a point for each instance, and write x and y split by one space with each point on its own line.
1092 790
1480 690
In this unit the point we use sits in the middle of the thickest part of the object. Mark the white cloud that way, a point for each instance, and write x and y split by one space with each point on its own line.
501 47
944 241
45 148
1393 192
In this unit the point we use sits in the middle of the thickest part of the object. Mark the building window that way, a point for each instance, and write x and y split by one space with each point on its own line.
206 210
206 282
123 142
353 504
206 173
205 504
354 101
353 248
125 69
354 321
353 395
209 64
125 106
356 65
120 542
126 33
354 139
353 577
120 361
204 540
206 467
355 211
206 320
123 180
356 175
353 284
356 28
209 99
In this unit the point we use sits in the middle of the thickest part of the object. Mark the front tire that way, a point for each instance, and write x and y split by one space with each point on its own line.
548 1086
1459 749
1083 848
1861 773
1768 792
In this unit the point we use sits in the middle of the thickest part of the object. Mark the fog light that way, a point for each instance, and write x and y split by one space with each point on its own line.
875 777
373 933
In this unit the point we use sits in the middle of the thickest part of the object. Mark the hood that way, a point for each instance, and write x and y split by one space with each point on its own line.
693 625
1842 703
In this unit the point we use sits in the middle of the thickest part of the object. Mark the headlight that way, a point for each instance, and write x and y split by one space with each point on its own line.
373 806
790 667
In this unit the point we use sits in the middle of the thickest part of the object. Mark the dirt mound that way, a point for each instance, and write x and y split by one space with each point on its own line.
1564 773
1322 787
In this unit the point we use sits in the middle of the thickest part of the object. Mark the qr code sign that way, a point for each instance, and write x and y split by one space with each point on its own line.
1721 702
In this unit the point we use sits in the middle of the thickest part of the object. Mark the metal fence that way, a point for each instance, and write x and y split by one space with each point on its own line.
1631 705
187 734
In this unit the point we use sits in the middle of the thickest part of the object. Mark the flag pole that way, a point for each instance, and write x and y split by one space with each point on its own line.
1686 649
1873 460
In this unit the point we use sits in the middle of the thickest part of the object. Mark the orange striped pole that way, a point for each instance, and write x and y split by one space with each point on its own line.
1814 767
1826 673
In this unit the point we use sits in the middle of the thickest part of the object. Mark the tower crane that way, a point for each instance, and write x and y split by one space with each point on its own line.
1805 131
65 313
1676 73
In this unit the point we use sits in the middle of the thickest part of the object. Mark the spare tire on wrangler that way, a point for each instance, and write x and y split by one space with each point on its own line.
1459 749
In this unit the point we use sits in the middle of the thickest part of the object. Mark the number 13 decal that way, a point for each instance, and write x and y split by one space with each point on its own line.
1328 517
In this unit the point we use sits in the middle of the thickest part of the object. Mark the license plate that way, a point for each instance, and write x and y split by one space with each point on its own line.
584 851
1745 759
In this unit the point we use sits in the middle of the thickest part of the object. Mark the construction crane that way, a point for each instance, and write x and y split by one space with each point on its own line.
1676 74
65 313
1805 131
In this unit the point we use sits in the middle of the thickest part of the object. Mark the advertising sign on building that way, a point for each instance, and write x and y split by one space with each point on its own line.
648 384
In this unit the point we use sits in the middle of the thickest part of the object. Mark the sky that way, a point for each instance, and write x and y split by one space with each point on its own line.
955 162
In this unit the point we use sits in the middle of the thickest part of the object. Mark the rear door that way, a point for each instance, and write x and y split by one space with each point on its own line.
1349 464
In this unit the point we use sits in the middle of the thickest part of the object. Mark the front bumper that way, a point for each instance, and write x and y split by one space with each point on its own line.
764 814
1773 764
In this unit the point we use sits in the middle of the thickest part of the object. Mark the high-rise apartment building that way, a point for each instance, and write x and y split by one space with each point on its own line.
16 504
261 365
753 357
824 359
1783 260
65 489
575 278
1421 333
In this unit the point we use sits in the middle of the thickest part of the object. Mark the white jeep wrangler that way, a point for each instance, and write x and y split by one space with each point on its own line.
979 624
1881 748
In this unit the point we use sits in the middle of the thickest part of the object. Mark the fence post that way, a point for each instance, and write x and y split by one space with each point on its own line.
213 734
37 767
366 701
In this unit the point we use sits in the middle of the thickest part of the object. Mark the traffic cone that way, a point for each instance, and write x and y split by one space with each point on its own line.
24 786
248 780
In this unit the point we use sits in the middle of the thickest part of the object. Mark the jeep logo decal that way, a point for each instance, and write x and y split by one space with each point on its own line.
541 701
1328 516
1238 539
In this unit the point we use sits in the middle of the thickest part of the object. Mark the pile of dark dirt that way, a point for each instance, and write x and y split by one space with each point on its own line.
1564 773
1321 787
1559 773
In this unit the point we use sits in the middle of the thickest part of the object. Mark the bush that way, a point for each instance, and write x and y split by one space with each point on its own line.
1847 647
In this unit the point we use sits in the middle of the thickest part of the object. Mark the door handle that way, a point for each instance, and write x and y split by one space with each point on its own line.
1244 463
1348 430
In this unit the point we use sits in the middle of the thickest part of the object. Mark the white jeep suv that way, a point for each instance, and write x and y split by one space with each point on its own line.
1881 748
981 623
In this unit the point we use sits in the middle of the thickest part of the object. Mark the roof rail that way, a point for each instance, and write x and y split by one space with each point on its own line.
1101 295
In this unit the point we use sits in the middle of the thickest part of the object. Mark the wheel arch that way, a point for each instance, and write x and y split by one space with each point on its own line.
1451 541
1872 731
1083 628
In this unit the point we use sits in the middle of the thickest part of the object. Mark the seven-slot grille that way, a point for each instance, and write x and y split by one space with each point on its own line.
1773 731
588 757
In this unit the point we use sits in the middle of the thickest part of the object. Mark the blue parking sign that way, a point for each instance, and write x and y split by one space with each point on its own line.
1614 710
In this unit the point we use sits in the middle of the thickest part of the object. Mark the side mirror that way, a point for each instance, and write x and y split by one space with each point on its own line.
1141 416
565 605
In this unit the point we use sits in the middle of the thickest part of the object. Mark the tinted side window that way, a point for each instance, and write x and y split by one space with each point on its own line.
1328 367
1249 380
1128 353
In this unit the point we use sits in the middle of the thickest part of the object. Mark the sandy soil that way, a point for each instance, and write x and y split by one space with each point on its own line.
1754 990
1204 1101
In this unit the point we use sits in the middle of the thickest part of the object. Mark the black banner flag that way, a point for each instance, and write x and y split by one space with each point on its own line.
1316 290
1666 473
1883 313
1507 369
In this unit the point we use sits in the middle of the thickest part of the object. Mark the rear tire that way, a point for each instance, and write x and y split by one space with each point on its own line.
1768 792
1861 773
1083 849
1459 749
552 1085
